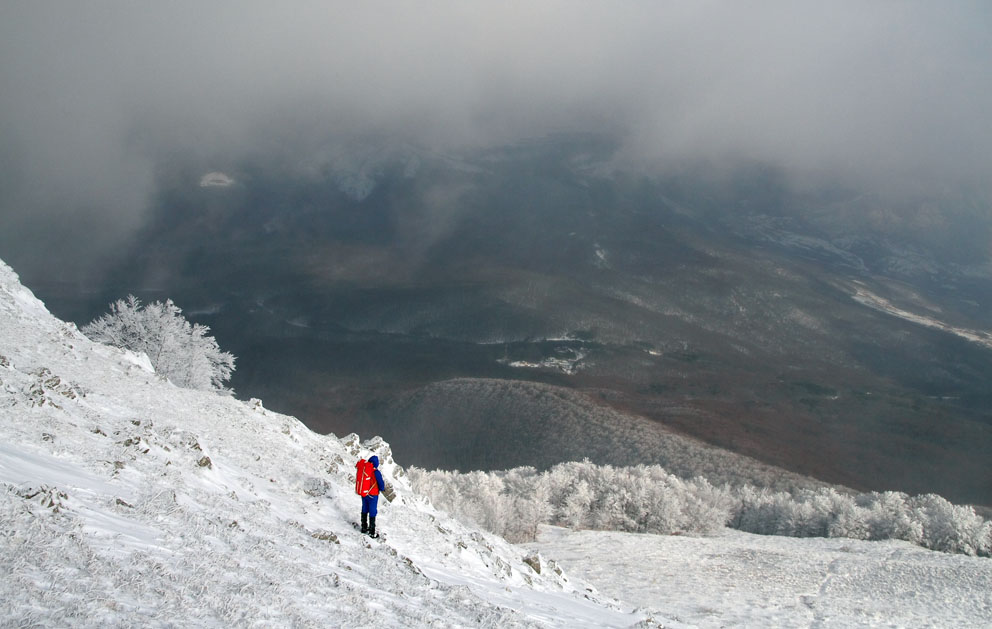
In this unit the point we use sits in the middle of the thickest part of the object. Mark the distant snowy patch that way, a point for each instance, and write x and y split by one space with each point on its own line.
566 360
602 257
804 319
299 322
776 230
216 179
863 296
208 310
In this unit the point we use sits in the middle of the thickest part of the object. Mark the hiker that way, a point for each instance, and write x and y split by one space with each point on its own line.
368 484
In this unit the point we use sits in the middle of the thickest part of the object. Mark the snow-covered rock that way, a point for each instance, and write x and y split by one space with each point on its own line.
128 501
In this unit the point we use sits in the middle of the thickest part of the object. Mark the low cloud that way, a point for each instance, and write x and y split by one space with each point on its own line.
95 97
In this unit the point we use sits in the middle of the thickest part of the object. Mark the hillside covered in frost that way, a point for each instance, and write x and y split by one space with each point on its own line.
129 501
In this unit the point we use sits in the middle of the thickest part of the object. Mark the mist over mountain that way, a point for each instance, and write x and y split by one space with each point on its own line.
732 309
765 228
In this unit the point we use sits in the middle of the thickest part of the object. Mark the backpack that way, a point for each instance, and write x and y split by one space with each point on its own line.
365 484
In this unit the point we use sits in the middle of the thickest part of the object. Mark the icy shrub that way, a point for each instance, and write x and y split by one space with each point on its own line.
179 351
577 495
577 507
707 507
951 528
889 517
845 519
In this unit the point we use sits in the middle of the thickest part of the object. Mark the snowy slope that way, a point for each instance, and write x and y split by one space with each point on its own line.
744 580
128 501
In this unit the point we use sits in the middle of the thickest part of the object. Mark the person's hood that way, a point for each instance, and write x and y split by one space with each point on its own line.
374 460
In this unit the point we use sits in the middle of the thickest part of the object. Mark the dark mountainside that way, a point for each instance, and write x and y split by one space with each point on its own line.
531 305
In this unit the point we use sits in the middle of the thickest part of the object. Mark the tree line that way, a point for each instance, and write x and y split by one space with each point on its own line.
647 499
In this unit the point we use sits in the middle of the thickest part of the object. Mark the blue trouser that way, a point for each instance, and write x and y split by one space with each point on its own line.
370 505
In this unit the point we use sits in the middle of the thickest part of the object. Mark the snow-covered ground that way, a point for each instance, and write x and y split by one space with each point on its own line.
744 580
126 501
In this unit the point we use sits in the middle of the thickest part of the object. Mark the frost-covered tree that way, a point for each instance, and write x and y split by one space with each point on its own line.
889 517
648 499
576 510
180 351
952 528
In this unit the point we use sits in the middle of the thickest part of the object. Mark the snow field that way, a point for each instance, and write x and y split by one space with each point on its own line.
744 580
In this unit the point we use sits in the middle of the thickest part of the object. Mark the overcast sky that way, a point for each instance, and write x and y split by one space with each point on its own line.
94 94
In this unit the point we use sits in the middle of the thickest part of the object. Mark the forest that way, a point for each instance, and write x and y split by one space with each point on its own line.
648 499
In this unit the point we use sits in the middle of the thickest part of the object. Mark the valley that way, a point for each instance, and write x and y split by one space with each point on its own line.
735 313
